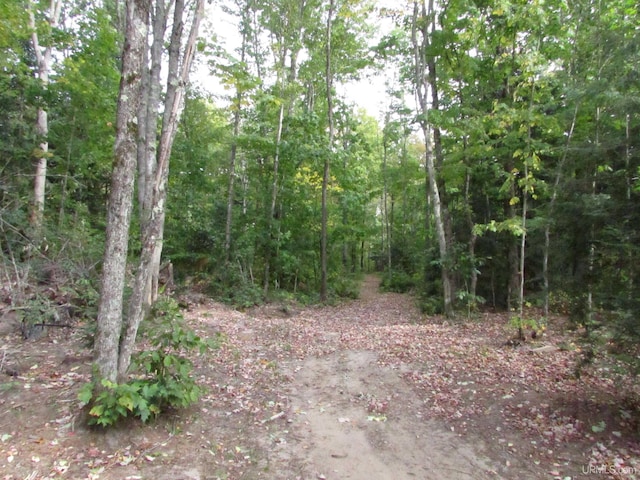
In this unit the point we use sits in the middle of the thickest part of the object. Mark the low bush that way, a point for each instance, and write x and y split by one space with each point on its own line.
397 281
346 287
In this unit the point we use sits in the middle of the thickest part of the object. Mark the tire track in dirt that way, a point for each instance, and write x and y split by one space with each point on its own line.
352 418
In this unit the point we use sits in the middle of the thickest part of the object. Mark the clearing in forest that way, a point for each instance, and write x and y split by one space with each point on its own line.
368 389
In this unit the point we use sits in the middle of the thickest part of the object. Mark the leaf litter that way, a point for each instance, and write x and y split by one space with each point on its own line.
537 418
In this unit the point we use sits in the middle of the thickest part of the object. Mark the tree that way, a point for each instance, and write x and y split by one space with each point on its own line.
180 60
109 323
115 339
43 55
424 80
325 170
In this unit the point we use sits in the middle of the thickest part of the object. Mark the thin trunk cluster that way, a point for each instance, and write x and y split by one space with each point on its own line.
121 196
139 104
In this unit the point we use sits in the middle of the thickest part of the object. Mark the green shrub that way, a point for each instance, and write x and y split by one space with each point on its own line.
231 287
115 402
162 374
346 287
430 305
471 303
525 325
397 281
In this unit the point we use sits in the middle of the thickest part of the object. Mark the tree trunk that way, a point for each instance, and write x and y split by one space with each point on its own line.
421 85
121 195
523 245
148 126
325 174
149 266
149 114
514 264
439 224
385 207
552 202
43 58
271 234
473 274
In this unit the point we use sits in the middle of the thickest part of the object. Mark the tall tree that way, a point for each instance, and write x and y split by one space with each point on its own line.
116 337
43 53
180 60
329 152
421 40
109 323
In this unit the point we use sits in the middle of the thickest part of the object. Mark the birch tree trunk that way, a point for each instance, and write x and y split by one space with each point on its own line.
121 194
422 85
43 58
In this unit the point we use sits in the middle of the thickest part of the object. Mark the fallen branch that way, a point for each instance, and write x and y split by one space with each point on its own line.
273 417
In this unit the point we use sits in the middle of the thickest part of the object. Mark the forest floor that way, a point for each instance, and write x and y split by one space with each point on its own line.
365 390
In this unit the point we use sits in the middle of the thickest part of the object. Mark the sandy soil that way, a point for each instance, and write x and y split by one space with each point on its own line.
356 419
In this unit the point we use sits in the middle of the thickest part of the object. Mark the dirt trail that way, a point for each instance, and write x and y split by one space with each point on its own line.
365 390
352 418
292 394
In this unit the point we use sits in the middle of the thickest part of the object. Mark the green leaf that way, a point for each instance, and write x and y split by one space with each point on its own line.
86 393
126 402
97 411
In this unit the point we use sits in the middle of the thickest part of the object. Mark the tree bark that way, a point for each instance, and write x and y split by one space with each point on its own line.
325 174
121 194
385 207
149 113
421 84
43 59
234 145
149 266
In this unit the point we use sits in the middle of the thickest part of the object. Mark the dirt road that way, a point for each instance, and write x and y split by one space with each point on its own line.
353 418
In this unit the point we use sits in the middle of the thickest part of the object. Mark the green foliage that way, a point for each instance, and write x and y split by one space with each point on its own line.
397 281
232 287
345 286
469 301
430 305
524 325
34 314
560 302
115 402
162 374
623 327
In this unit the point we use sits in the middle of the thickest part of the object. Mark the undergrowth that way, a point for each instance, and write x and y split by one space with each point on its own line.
161 376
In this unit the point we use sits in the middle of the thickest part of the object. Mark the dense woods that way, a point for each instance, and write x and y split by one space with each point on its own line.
502 173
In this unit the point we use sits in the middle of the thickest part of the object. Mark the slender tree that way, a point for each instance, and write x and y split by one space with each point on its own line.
421 41
325 170
44 54
109 324
116 337
180 60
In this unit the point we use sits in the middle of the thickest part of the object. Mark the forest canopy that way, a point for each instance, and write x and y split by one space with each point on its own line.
502 171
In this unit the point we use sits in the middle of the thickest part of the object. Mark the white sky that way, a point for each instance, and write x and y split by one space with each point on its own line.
368 93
